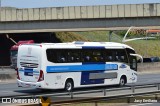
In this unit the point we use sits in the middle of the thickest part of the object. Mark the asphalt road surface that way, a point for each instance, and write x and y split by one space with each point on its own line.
12 89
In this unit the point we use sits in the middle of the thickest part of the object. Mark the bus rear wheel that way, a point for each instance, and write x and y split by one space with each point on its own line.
122 81
69 85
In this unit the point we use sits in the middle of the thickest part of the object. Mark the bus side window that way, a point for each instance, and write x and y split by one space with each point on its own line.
74 56
98 56
51 55
109 55
117 55
61 59
87 55
121 56
61 56
87 58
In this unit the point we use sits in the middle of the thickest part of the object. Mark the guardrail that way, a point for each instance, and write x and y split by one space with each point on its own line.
3 67
7 70
131 87
143 67
74 95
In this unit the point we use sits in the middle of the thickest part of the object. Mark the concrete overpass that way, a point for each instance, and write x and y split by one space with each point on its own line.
79 18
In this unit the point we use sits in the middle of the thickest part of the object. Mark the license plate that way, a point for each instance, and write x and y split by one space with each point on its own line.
28 72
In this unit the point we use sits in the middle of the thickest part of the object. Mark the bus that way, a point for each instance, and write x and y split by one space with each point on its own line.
75 64
14 51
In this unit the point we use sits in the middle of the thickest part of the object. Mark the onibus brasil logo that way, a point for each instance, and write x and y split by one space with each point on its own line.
43 101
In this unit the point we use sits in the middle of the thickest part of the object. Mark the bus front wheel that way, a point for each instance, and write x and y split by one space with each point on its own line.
122 81
69 85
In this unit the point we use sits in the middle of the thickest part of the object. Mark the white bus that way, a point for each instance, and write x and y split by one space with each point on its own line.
75 64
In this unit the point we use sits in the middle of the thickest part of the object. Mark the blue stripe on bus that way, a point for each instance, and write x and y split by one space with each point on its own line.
83 67
21 70
29 70
93 47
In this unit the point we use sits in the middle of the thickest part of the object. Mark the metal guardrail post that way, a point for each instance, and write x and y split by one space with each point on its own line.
104 91
133 89
71 93
2 68
156 97
96 103
158 86
128 99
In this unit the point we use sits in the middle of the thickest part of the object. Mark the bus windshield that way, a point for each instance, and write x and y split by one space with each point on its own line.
132 59
13 53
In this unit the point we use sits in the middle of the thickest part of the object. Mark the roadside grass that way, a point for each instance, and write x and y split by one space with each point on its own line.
100 36
95 36
69 37
147 48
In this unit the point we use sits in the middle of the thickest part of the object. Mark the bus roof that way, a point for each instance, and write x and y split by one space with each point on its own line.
83 44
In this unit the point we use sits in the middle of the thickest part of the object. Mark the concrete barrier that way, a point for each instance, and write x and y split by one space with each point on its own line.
149 67
6 74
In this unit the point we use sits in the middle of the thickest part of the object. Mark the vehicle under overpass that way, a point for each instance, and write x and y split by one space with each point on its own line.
5 43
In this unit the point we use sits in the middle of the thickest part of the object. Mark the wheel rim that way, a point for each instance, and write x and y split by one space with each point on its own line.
68 86
122 82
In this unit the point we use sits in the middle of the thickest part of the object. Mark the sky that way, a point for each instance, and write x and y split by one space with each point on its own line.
62 3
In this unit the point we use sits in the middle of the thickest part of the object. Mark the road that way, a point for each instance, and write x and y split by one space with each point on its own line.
12 89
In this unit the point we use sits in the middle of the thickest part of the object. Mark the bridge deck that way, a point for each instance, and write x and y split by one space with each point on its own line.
80 12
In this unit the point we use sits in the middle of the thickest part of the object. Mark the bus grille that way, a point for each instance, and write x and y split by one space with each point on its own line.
29 65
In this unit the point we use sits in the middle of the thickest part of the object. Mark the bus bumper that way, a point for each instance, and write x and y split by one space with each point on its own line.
29 84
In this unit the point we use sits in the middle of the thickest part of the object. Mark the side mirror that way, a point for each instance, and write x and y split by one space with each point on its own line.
137 55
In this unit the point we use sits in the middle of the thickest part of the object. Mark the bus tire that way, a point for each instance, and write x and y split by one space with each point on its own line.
123 80
69 85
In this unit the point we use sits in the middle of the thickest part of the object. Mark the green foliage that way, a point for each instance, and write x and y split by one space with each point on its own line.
147 48
100 36
121 33
69 37
95 36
